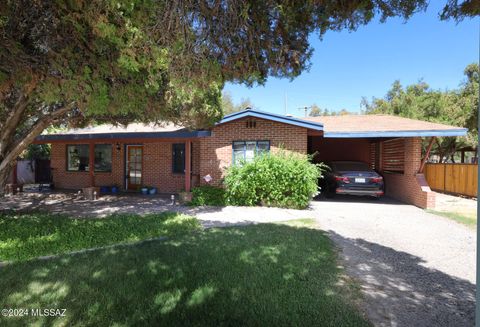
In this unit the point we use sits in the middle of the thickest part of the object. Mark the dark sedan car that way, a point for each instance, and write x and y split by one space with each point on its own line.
351 177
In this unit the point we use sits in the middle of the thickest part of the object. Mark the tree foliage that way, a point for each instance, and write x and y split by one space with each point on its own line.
457 107
316 111
458 10
228 106
70 62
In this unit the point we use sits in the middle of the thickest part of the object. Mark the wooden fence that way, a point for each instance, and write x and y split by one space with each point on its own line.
452 178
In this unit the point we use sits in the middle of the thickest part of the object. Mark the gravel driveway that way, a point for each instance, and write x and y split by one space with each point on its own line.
416 269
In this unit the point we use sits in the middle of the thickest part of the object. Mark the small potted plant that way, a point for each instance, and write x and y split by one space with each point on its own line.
185 197
152 190
114 189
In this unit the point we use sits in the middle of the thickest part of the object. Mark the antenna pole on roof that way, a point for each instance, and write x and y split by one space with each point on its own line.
306 109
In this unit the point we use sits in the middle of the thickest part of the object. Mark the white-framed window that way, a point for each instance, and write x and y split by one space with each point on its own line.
247 150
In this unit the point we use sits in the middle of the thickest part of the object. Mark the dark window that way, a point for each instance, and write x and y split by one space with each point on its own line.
78 157
247 150
178 158
103 157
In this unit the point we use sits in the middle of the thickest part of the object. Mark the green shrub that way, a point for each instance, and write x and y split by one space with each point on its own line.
284 179
208 195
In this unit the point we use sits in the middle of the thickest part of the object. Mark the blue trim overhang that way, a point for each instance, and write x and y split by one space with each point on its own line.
127 135
273 117
416 133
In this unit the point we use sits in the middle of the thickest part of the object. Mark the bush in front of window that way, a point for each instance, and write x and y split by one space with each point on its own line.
285 179
208 196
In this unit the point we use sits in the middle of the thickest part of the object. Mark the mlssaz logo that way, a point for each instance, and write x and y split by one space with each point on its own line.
49 312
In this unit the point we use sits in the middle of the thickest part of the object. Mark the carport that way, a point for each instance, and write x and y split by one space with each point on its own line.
389 144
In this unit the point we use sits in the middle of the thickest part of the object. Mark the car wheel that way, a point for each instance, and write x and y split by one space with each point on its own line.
330 192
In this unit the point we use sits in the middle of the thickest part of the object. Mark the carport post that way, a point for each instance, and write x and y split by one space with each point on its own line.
477 304
427 154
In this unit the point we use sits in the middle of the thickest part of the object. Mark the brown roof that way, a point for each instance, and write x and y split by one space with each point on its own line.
130 128
134 130
346 126
381 125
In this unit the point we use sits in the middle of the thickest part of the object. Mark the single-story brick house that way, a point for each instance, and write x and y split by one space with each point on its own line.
162 156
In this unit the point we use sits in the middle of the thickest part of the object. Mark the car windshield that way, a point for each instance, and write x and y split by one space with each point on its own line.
350 166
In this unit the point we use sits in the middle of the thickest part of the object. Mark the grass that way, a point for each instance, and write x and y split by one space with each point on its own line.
469 220
266 274
29 235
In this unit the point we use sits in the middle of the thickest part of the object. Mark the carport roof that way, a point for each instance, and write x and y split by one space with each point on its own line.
366 126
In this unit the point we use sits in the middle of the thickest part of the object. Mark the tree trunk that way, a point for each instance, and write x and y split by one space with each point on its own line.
15 148
4 175
440 157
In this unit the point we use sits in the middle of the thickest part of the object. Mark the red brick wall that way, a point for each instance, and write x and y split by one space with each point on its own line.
61 177
212 155
157 168
410 187
330 149
216 151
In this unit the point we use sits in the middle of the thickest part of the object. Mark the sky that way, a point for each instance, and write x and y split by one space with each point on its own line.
347 66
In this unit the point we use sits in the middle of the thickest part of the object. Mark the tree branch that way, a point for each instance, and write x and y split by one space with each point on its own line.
12 121
36 130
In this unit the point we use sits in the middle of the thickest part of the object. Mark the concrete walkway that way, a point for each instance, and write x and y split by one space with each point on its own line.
220 217
72 204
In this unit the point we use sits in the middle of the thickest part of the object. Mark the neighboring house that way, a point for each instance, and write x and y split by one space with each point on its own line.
158 156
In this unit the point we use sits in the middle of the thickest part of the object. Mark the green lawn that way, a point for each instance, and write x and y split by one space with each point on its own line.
25 236
469 219
267 274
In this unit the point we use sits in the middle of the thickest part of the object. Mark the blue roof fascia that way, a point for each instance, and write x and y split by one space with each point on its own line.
145 135
418 133
272 117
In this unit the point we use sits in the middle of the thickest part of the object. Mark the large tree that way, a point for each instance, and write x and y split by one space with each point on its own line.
68 62
228 106
457 107
316 111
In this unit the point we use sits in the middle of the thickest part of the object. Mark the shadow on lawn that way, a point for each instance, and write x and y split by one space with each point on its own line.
26 236
67 201
253 275
401 291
